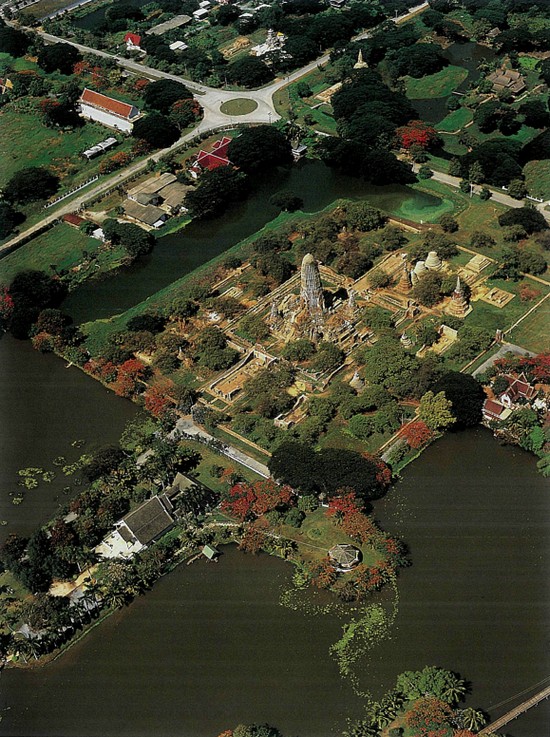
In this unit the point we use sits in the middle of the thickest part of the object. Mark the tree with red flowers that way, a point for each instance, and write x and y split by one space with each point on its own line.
416 133
417 434
158 399
248 501
359 526
340 506
323 575
429 716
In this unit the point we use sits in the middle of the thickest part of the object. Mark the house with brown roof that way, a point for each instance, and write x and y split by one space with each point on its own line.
520 391
493 410
507 79
149 215
108 111
138 529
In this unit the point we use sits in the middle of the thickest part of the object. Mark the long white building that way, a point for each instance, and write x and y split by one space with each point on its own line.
108 111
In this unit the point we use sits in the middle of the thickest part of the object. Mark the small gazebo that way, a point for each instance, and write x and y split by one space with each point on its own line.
344 557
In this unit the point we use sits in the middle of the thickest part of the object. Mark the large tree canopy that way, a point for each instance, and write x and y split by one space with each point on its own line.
262 147
59 57
466 395
163 94
326 471
157 130
32 291
28 185
249 71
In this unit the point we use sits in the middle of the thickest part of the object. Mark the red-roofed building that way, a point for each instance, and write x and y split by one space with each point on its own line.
72 219
493 410
108 111
213 159
132 41
519 389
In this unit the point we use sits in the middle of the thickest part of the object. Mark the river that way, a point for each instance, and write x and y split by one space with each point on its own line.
210 647
179 253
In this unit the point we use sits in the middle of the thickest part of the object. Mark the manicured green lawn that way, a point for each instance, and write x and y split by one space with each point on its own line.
528 62
240 106
456 120
440 84
318 534
532 333
208 459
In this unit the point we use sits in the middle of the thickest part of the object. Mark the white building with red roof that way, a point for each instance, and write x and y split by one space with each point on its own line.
133 41
213 159
108 111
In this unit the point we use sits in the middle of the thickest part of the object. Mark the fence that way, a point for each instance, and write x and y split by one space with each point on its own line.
71 192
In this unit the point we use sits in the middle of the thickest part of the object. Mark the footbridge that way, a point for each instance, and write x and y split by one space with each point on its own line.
513 713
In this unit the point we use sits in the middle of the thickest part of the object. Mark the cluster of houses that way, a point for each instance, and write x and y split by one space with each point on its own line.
519 393
153 201
507 80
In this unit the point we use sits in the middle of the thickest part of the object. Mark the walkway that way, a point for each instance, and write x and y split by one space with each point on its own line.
496 196
505 348
188 427
513 713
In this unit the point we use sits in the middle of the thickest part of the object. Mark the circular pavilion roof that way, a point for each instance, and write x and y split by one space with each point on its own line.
344 555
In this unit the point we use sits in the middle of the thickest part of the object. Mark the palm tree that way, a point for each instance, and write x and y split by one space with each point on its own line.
455 690
472 719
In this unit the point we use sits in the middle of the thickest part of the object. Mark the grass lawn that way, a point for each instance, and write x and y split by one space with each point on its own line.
456 120
240 106
452 145
490 317
440 84
528 62
318 534
210 458
532 333
27 142
537 178
62 246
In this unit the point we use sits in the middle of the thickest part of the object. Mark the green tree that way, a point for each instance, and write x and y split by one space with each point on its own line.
161 95
59 57
259 148
466 395
249 71
215 191
435 410
9 218
157 130
31 184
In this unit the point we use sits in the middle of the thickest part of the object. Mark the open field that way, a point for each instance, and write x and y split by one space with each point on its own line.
27 142
440 84
491 317
533 333
455 121
62 246
44 7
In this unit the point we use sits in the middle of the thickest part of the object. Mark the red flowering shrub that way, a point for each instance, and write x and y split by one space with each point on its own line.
417 434
416 133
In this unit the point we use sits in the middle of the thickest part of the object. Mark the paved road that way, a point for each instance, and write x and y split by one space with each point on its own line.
188 427
496 196
502 351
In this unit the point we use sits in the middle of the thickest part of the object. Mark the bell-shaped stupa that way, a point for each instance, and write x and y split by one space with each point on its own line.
433 262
